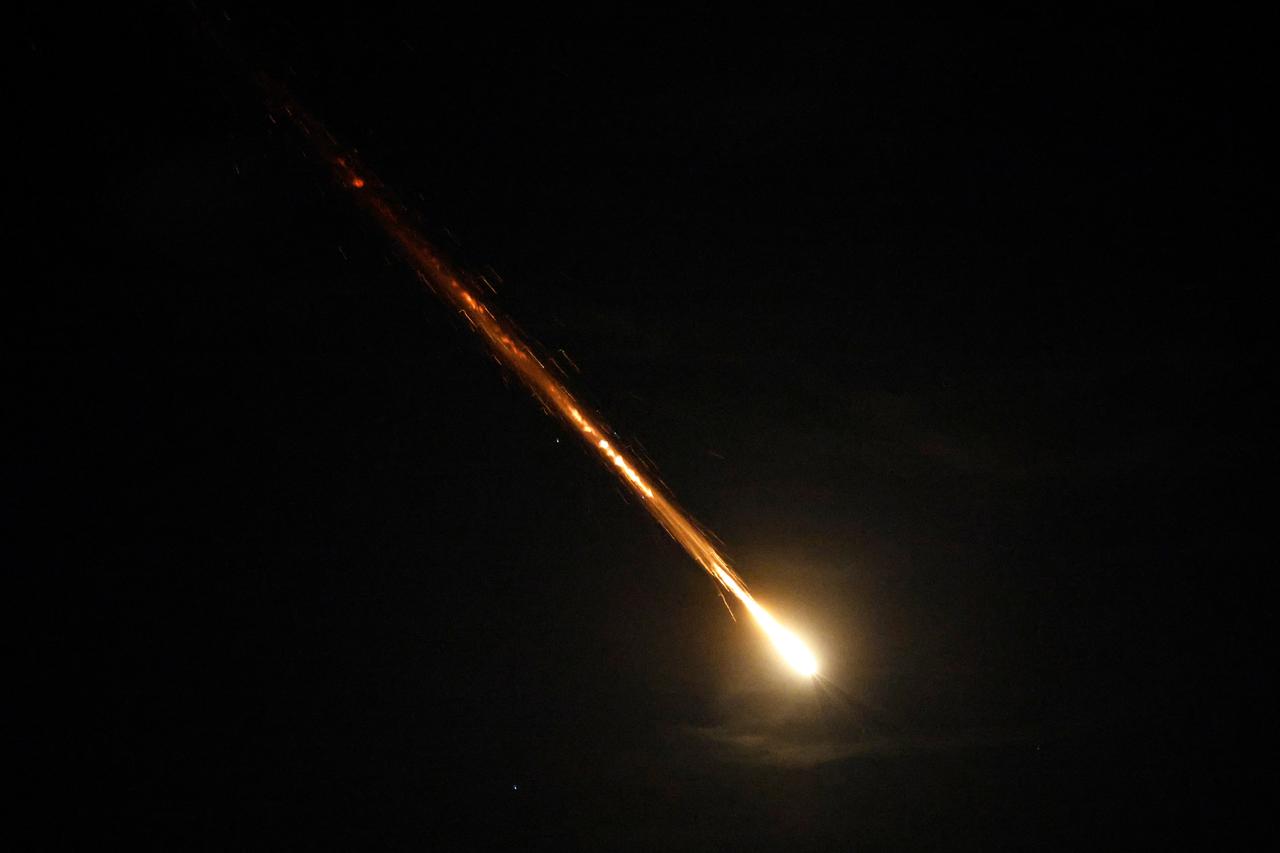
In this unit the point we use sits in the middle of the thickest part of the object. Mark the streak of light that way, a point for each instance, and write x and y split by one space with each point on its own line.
460 291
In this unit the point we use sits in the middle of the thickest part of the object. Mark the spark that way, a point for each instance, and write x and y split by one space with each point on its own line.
462 292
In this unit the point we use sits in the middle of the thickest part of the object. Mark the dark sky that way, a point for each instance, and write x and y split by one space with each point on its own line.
937 328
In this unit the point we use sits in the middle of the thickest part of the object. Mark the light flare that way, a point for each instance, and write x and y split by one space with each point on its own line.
452 285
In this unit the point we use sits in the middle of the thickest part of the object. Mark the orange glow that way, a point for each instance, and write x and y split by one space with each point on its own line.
507 346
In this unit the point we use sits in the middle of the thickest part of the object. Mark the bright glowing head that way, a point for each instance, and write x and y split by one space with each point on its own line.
794 651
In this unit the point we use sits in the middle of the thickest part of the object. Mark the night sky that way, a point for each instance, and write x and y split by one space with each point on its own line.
937 328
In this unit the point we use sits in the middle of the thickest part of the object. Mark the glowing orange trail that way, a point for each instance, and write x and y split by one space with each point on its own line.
458 290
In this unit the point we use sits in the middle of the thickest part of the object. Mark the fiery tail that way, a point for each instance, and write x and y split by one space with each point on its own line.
457 289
